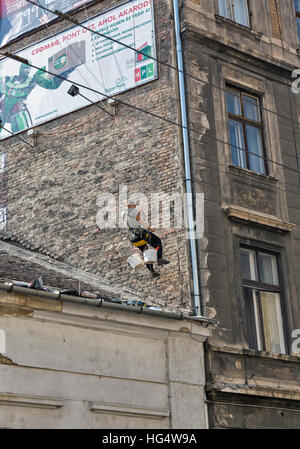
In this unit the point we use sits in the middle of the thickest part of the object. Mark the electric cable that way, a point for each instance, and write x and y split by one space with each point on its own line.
171 122
107 37
76 54
174 123
67 17
93 41
15 135
188 75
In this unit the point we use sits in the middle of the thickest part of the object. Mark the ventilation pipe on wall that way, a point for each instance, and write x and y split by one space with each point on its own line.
186 149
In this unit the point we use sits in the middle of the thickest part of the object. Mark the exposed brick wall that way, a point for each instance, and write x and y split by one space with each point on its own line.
52 188
16 269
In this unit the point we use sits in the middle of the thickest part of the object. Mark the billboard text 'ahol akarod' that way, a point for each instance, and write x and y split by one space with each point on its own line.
29 96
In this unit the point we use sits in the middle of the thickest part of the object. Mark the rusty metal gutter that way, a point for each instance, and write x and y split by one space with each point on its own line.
12 288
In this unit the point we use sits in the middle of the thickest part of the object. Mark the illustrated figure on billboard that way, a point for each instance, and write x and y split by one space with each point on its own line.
14 91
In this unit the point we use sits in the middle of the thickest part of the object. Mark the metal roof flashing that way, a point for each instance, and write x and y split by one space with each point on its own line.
9 287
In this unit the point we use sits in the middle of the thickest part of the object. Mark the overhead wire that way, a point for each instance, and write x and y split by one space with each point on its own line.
167 120
171 122
186 74
76 54
6 54
18 137
68 18
93 41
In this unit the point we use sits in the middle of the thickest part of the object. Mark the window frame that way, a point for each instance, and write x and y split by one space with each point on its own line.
255 331
246 121
233 20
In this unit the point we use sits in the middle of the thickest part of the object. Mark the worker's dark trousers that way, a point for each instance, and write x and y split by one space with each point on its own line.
153 241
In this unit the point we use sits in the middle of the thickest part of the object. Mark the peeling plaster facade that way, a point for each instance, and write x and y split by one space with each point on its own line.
51 194
77 366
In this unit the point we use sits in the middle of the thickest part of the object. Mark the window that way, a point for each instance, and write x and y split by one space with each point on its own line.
245 130
262 294
235 10
297 8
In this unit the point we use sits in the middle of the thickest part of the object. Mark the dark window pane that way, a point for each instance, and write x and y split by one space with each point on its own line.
268 268
246 273
251 319
248 264
297 5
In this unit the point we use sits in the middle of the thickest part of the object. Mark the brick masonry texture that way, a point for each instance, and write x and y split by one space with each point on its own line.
52 188
14 268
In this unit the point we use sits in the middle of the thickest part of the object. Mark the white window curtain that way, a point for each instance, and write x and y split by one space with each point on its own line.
237 144
273 328
236 10
254 139
241 14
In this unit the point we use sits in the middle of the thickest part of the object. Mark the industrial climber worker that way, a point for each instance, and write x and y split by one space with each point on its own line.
14 90
140 234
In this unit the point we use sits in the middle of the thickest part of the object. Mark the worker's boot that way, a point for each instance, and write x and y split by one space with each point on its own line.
154 274
162 262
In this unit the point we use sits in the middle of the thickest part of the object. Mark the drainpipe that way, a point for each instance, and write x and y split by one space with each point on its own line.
186 150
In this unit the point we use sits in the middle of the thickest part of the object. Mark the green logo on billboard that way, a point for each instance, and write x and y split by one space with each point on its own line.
150 71
144 72
146 50
141 73
60 61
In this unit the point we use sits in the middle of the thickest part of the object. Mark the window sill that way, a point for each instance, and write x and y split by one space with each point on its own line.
258 219
238 27
252 174
252 352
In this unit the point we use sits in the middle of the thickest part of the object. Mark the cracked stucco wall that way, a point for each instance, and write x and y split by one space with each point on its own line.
76 366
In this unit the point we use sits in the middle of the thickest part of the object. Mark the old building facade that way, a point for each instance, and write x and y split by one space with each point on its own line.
240 53
52 177
66 364
243 115
89 152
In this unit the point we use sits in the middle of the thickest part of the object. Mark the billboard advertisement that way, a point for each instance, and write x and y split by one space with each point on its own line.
29 96
18 17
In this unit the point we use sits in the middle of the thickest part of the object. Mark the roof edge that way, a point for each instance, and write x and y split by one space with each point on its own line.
99 302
